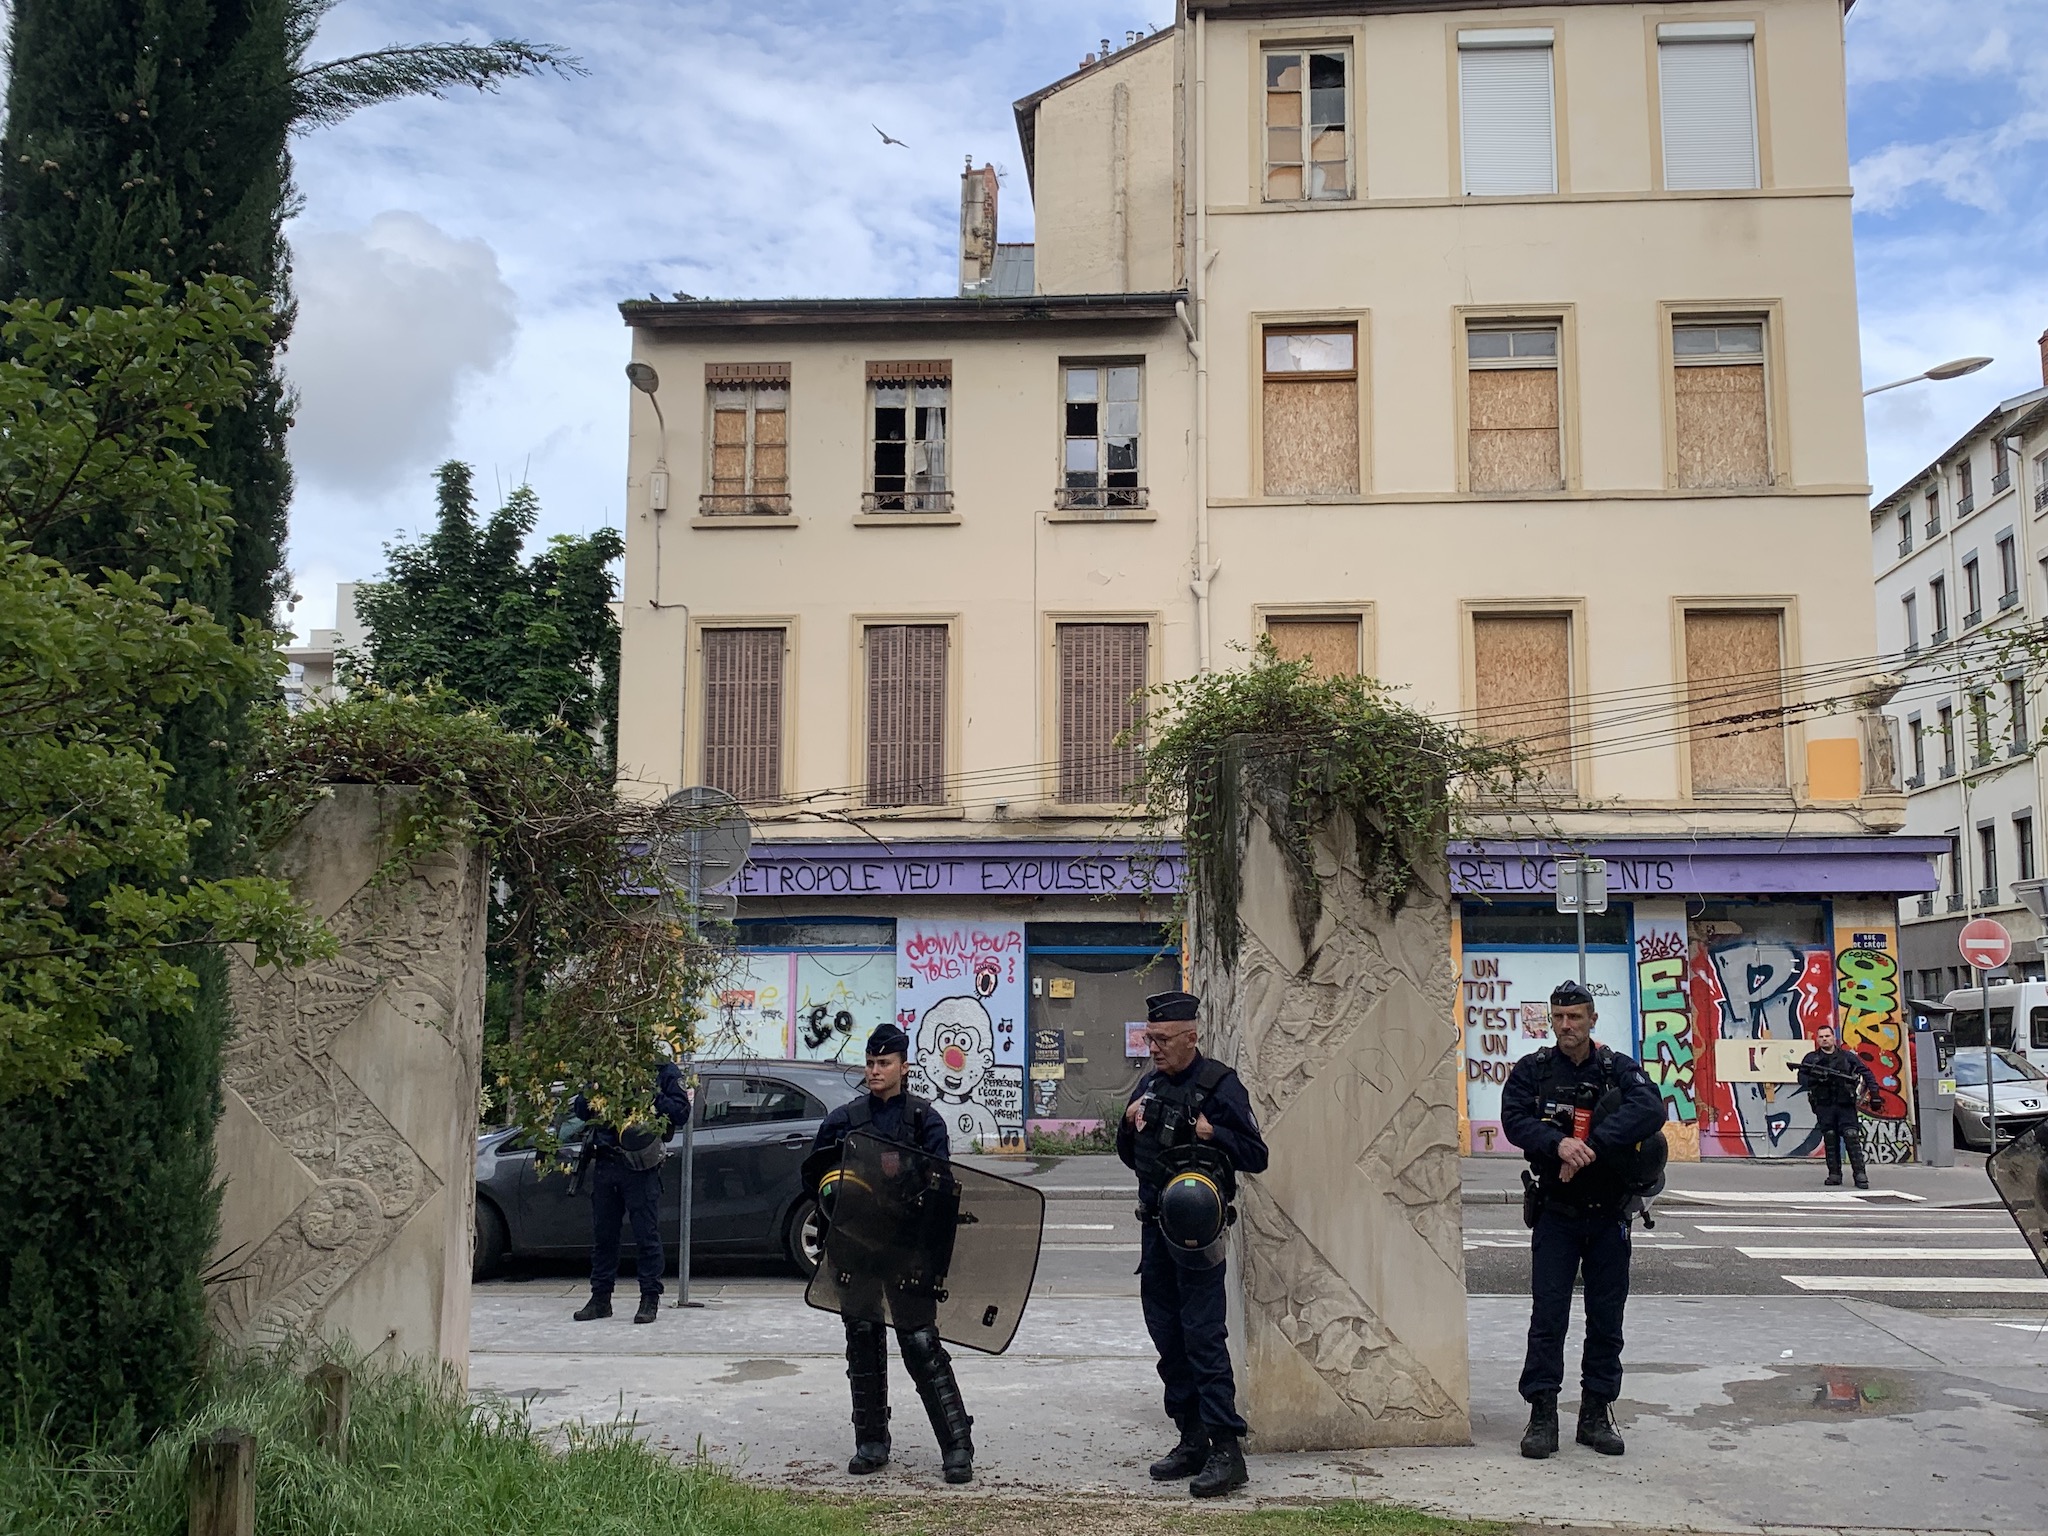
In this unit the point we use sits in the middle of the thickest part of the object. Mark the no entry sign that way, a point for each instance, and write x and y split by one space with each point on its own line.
1985 943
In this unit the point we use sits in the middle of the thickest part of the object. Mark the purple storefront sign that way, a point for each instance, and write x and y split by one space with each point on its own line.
957 869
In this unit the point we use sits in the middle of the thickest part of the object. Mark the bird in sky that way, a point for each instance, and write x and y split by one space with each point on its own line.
887 140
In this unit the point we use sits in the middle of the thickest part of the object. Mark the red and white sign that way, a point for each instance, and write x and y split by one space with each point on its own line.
1985 943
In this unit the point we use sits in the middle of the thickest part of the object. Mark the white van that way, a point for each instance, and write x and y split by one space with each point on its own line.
2019 1018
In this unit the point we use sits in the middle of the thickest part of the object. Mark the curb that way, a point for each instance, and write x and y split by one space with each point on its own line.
1665 1201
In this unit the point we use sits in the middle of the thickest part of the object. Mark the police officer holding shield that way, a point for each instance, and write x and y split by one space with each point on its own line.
1188 1131
1578 1111
887 1112
1838 1082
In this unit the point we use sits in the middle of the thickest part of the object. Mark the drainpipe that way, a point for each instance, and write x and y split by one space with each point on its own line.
1198 344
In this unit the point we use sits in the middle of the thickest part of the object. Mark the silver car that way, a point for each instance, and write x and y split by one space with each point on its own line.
755 1122
2018 1086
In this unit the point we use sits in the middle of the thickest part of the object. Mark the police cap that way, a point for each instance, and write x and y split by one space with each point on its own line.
888 1040
1172 1007
1570 994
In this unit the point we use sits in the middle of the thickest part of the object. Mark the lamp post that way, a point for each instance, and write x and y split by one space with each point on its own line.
1941 372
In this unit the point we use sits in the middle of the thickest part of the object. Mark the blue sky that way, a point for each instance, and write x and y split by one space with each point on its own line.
458 263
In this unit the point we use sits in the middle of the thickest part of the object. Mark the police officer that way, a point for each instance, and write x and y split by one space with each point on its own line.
1837 1082
1188 1096
1583 1184
625 1183
888 1113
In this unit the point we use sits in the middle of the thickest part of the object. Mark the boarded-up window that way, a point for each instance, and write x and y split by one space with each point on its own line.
906 708
1515 411
743 713
749 439
1724 438
1308 152
1522 684
1102 673
1329 645
1734 670
1311 412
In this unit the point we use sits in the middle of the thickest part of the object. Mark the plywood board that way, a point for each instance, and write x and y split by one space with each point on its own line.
1329 645
1733 672
1311 437
1514 438
1521 665
1723 433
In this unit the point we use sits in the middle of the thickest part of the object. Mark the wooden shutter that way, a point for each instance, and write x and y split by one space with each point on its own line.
1102 673
1522 683
1734 666
1329 645
743 713
1515 439
771 443
906 714
1708 90
1724 438
1507 119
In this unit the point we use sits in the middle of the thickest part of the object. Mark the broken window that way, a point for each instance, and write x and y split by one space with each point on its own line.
1515 427
1099 454
1310 412
1724 438
1308 143
907 462
749 458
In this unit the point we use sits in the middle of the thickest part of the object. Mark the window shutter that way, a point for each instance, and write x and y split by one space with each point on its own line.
743 713
1522 680
1734 668
1709 95
906 709
1508 121
1102 670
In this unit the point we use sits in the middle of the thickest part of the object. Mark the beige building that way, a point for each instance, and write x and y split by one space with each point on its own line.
1508 354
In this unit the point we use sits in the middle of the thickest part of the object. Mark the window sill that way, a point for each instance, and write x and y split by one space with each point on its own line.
910 813
747 520
1102 515
906 519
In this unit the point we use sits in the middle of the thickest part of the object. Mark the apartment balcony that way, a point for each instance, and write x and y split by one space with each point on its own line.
2002 483
1917 781
743 504
1924 907
907 502
1973 618
1948 770
1933 527
2041 498
1965 505
1940 635
2018 747
1988 896
1905 546
1955 901
1098 498
2008 600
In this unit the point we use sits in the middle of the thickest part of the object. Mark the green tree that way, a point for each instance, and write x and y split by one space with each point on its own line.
463 609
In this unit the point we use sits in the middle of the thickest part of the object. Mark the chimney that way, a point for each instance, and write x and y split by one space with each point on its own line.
2044 358
977 226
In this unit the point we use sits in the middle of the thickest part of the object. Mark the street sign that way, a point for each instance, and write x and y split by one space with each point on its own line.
1582 885
1985 943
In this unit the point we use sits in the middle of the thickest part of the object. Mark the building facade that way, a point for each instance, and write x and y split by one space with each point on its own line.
1960 559
1508 355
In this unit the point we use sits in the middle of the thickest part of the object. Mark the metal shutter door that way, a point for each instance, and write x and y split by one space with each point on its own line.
1508 121
1709 94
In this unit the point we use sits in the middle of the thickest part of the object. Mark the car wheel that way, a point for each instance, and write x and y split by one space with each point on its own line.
493 1242
805 1239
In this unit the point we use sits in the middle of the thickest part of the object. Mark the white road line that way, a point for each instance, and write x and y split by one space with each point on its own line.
2024 1327
1702 1226
1869 1251
1088 1247
1651 1245
1079 1226
1918 1284
1779 1197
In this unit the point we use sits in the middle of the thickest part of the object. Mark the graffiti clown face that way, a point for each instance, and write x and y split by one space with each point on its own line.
955 1046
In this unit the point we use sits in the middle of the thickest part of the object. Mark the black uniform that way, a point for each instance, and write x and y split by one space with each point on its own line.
1837 1083
910 1122
619 1194
1184 1308
1582 1222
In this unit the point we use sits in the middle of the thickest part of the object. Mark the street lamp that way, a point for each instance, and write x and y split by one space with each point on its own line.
643 378
1949 370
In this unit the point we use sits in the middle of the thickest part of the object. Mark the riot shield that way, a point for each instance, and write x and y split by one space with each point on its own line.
2019 1172
918 1241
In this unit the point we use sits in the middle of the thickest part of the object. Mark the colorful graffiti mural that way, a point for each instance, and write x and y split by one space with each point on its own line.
1745 987
1665 1031
1504 1002
960 998
1867 1007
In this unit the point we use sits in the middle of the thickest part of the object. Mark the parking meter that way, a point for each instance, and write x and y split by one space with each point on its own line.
1936 1101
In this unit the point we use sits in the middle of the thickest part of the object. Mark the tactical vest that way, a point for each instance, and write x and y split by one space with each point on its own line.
1612 1179
860 1116
1178 1104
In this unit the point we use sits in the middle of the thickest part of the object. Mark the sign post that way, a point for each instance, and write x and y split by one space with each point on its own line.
1582 888
1986 945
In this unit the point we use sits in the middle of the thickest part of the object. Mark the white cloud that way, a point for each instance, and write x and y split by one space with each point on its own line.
394 319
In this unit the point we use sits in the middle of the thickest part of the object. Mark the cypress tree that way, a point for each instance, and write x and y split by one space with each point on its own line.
153 136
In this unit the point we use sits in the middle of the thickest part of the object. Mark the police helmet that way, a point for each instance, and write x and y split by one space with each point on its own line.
1647 1159
1194 1213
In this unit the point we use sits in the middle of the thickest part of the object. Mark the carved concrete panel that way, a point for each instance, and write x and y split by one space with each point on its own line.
348 1143
1349 1252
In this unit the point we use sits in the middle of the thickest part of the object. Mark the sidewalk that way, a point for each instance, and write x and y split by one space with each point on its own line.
1498 1180
1778 1414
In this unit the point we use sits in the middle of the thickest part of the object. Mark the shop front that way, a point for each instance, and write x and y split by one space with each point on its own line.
1714 965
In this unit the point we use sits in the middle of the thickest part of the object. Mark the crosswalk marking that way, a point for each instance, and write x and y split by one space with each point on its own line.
1834 1231
1923 1284
1883 1251
1783 1197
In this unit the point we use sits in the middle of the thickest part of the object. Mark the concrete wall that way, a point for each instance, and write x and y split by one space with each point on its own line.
347 1145
1348 1259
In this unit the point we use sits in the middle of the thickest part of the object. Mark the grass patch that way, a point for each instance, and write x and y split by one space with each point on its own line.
423 1462
1068 1144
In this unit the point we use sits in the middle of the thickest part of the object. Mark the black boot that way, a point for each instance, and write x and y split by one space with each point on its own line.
1540 1438
1596 1425
932 1369
1834 1177
650 1308
1862 1180
1187 1458
867 1373
1224 1470
596 1307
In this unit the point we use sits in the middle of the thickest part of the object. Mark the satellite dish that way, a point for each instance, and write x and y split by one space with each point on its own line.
702 838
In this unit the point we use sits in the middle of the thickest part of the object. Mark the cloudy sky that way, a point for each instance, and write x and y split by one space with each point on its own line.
458 263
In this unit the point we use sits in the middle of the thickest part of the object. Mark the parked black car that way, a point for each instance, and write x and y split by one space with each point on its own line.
755 1124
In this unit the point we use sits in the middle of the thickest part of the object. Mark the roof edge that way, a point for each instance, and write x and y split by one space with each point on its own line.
2032 408
746 314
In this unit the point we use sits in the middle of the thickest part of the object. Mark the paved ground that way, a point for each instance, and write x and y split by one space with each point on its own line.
1865 1389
